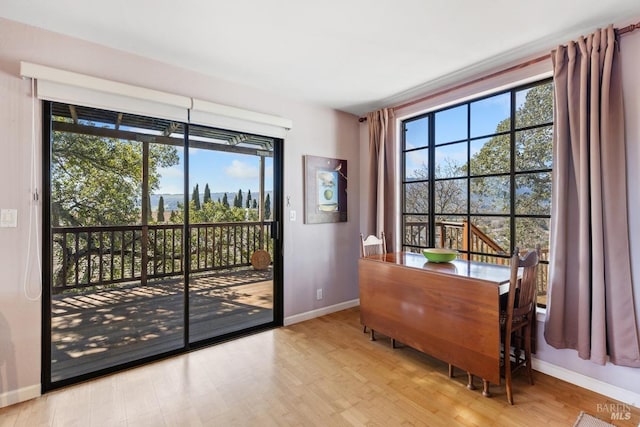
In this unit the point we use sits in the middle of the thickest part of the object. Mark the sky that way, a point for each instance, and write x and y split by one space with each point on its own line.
486 114
229 172
224 172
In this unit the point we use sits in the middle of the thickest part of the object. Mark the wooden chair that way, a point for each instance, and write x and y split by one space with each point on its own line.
372 246
517 320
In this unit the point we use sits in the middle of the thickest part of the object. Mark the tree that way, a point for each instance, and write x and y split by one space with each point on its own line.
225 200
148 208
490 188
97 181
450 198
267 207
212 213
533 150
195 198
160 216
255 204
238 200
248 199
207 194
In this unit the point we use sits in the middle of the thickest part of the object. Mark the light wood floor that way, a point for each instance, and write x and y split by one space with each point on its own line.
322 372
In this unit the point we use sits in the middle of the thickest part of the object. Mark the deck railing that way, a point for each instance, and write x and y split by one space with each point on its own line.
84 257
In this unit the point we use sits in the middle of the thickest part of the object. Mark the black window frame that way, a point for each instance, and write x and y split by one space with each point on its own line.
431 180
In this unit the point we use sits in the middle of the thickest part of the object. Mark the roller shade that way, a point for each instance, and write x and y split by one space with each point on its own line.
79 89
232 118
74 88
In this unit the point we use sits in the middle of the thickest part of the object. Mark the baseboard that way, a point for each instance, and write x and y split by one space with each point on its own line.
20 395
597 386
320 312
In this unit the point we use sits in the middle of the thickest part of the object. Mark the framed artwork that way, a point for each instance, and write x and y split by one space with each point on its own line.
325 190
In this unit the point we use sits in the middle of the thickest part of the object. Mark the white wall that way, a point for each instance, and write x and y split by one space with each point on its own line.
315 256
621 383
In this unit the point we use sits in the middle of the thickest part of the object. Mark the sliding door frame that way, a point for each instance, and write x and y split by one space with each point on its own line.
46 324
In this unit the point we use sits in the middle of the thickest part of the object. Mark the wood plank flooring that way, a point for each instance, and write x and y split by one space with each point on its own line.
322 372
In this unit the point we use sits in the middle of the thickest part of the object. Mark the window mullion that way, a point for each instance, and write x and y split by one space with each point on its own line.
431 217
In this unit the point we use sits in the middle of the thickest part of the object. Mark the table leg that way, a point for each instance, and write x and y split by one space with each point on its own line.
470 384
485 388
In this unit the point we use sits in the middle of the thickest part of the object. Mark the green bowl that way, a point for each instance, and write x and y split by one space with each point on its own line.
440 254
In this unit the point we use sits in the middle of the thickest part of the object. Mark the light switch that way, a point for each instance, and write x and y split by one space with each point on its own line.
292 215
8 218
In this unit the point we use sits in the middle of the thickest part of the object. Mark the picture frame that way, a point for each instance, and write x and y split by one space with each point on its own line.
325 190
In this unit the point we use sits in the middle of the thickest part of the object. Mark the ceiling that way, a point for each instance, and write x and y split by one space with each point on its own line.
351 55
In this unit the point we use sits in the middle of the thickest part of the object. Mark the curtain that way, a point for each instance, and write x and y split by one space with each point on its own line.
590 304
381 208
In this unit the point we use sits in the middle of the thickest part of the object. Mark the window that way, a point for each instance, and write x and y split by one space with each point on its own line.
476 177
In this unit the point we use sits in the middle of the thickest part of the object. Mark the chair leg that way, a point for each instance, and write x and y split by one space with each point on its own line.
364 329
450 370
507 376
507 368
393 343
373 335
527 352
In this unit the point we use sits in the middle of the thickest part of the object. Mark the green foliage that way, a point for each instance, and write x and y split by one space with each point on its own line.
98 181
237 200
195 198
248 199
225 201
267 207
533 151
207 194
212 212
160 215
490 193
148 208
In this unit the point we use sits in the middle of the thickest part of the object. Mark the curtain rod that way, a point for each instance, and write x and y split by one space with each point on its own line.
621 31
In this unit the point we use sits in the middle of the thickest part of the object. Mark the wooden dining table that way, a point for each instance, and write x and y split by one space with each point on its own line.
447 310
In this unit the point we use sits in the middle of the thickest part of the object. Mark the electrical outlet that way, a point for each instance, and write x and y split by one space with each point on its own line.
292 215
319 294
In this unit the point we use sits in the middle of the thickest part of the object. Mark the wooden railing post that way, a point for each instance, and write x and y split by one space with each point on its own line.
465 239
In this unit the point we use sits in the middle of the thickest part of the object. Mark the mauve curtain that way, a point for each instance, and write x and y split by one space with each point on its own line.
381 209
590 305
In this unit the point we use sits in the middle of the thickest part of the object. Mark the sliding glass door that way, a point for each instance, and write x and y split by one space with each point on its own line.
158 239
231 283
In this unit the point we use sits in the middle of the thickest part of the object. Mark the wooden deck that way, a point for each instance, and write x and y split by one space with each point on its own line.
100 329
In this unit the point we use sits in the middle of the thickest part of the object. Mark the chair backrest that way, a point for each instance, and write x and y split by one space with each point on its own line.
522 291
373 245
